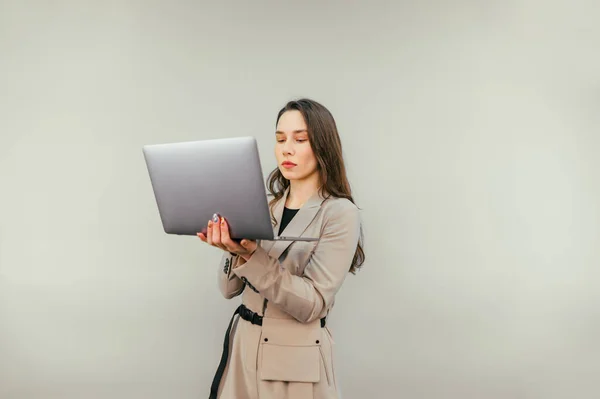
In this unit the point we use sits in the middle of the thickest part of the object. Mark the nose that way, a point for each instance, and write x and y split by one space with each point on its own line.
288 147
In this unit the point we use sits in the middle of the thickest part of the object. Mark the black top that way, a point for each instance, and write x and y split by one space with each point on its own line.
288 215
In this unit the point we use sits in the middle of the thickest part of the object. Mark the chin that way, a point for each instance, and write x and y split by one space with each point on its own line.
289 175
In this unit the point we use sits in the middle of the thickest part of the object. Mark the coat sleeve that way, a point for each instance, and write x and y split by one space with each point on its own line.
305 297
230 284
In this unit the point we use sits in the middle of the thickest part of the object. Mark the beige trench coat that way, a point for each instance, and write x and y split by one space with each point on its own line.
290 356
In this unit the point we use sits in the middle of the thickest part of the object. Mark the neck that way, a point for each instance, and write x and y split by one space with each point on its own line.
301 191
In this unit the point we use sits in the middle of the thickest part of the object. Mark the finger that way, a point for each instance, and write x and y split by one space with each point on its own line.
216 234
217 238
209 233
201 236
226 240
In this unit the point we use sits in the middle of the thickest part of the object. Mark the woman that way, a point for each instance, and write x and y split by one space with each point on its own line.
280 346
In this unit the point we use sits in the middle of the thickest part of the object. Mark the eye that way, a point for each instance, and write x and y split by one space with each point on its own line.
301 140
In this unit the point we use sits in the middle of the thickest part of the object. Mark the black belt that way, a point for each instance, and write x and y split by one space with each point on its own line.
247 315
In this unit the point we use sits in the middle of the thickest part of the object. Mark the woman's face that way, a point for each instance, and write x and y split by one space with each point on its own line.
293 152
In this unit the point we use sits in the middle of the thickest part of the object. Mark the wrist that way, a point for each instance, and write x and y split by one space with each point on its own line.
248 255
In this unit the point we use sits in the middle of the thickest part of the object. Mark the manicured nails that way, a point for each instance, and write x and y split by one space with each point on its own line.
215 218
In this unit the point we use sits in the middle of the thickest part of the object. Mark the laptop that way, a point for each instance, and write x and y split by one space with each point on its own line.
194 180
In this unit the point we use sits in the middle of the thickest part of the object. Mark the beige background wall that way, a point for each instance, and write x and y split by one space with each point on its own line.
471 130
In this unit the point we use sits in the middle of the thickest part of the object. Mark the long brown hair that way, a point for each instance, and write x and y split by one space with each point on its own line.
327 147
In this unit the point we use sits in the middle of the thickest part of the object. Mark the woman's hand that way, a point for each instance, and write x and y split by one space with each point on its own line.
217 235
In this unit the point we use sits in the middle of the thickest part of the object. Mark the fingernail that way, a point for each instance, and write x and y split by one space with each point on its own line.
222 221
215 218
210 223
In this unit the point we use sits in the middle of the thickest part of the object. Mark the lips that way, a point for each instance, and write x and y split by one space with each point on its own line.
288 164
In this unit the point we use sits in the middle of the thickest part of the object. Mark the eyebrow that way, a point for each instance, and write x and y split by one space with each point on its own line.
294 132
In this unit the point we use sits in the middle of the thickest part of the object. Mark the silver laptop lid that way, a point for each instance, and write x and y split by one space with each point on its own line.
194 180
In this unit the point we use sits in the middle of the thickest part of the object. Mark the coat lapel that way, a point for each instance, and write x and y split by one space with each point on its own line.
297 225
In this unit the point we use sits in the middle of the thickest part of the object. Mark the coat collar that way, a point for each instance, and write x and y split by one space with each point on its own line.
297 225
